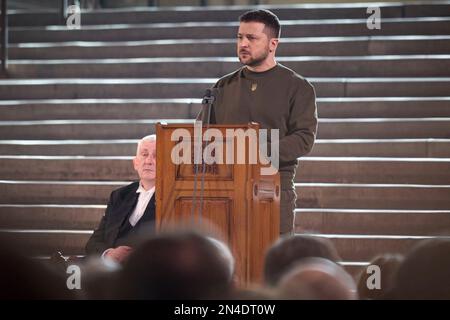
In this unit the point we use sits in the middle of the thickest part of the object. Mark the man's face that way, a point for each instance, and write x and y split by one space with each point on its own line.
145 160
253 44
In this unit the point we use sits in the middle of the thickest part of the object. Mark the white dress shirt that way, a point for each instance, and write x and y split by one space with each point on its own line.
144 199
138 212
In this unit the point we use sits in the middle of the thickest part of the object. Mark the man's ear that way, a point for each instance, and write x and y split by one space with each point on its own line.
134 163
273 44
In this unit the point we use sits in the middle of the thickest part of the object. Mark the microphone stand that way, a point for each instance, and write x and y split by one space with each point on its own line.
208 100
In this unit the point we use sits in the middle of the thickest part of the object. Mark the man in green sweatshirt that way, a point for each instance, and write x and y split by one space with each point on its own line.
272 95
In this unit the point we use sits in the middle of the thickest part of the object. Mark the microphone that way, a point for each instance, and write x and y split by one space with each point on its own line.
210 95
208 101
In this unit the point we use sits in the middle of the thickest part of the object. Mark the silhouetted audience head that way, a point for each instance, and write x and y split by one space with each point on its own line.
388 264
254 292
99 277
225 255
176 266
23 278
425 272
317 279
289 250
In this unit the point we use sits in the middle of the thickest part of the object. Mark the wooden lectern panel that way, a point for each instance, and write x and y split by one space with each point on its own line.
215 210
238 203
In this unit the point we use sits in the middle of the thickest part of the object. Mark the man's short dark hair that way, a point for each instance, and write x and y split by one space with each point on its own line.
268 18
288 251
424 273
184 265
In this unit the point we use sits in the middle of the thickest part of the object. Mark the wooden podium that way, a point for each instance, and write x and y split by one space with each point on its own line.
238 200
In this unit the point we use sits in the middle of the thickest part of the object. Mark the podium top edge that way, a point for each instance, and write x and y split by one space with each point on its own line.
221 126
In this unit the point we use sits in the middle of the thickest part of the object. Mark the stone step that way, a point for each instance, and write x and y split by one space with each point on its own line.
328 221
76 217
121 147
228 13
343 221
427 10
311 66
364 128
108 88
373 222
43 242
72 242
394 107
221 30
367 170
383 128
311 195
400 148
373 196
365 248
306 46
195 88
68 168
110 109
407 148
58 192
53 109
311 170
80 129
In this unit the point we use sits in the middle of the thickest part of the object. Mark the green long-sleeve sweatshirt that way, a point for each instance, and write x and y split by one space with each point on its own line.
278 98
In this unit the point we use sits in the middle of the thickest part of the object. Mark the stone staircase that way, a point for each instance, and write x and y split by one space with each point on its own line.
77 101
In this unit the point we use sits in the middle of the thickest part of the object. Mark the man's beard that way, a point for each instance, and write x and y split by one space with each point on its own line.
254 62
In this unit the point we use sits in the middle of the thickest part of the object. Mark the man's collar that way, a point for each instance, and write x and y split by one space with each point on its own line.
141 189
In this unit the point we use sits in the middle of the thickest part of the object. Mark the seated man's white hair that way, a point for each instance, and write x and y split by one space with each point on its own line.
151 137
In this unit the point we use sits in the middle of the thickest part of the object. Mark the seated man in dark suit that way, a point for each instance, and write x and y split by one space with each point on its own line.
131 209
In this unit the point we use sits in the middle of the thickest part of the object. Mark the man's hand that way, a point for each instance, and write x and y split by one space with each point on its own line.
118 254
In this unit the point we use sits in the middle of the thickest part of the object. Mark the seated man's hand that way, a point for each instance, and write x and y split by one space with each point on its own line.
118 254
